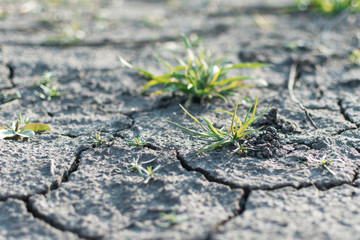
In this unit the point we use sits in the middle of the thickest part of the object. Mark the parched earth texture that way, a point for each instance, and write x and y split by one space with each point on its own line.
57 185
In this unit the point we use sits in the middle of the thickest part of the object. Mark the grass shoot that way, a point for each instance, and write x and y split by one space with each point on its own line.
137 141
235 134
148 173
198 77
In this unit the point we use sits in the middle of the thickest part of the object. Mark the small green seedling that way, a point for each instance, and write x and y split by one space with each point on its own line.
199 77
148 173
49 89
170 219
324 162
48 92
47 79
135 165
329 7
98 140
137 141
23 120
16 131
355 57
236 133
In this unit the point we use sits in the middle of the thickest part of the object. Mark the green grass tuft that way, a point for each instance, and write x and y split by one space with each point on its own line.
235 134
199 76
137 141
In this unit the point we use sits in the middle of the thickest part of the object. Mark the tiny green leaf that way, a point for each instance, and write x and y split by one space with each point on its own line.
36 127
5 133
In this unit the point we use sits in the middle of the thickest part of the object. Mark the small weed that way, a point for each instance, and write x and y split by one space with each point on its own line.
198 77
238 131
49 89
148 173
47 79
170 219
48 93
17 131
135 165
23 120
354 57
324 162
98 140
329 7
137 141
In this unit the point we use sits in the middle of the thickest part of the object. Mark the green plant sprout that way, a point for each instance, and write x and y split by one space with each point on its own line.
48 92
148 173
135 165
98 140
137 141
17 131
238 131
23 120
329 7
170 219
199 77
324 162
355 57
48 87
47 79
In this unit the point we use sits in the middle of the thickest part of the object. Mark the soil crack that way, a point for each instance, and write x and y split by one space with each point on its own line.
203 172
321 186
356 174
11 74
37 215
291 81
242 207
344 114
54 186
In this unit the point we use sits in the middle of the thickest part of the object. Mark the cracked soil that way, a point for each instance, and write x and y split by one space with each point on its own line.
58 186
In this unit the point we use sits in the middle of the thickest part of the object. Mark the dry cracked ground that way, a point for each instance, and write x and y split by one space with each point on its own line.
58 186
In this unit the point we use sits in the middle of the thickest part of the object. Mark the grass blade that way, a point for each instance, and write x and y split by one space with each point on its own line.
215 77
231 80
248 122
127 64
165 63
196 120
210 126
188 130
247 65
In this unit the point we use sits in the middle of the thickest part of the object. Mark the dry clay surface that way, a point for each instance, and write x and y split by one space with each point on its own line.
57 185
